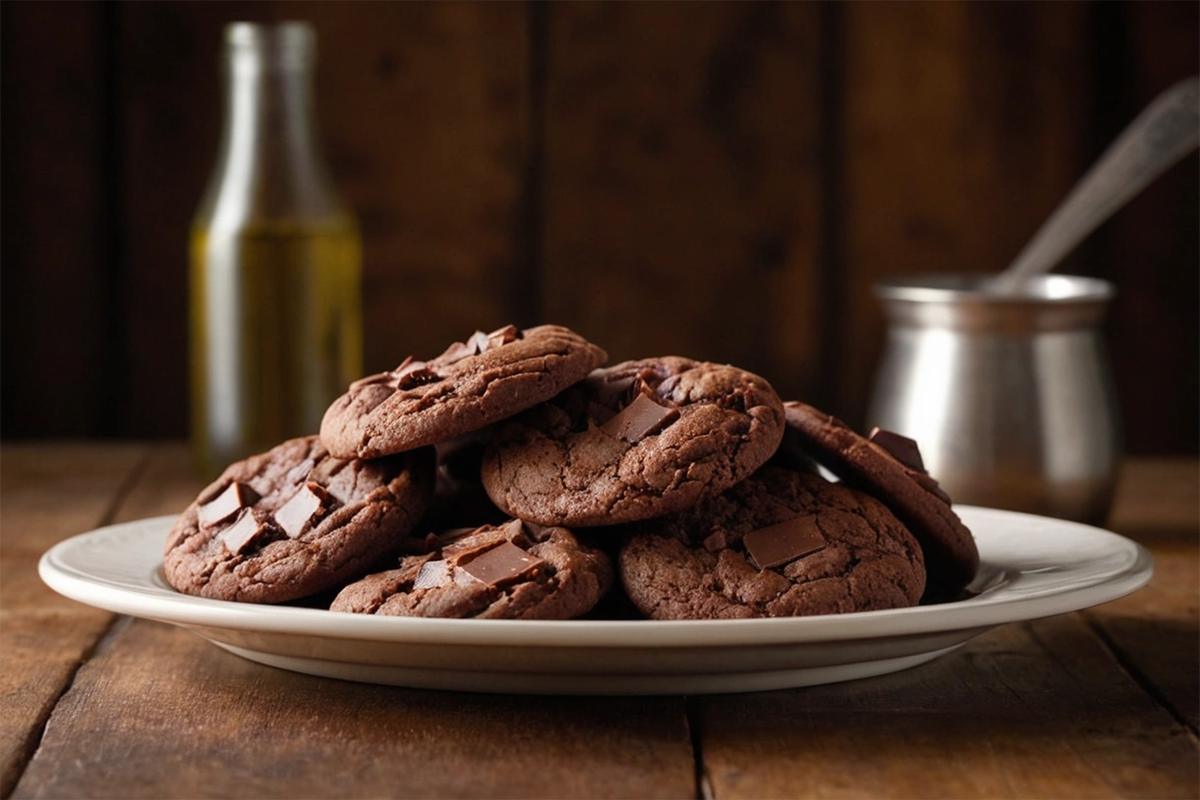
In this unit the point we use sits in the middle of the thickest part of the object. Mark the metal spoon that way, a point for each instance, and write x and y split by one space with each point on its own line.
1161 135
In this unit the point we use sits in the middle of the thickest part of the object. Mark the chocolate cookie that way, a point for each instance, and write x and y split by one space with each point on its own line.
780 543
295 521
889 466
513 571
490 377
634 441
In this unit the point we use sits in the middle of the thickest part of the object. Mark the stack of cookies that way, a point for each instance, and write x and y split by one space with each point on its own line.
515 477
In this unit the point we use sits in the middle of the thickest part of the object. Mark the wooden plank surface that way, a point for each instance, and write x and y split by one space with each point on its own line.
1156 631
161 713
342 739
944 127
682 182
1100 704
1033 710
49 492
167 484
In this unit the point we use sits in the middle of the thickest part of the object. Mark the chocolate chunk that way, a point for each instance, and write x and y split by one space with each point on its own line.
615 393
382 378
242 533
535 531
899 447
235 497
502 336
431 574
779 544
412 374
478 342
504 564
297 514
717 540
639 419
457 352
440 573
512 529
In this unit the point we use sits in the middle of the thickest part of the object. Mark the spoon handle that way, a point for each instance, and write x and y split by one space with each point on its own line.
1161 135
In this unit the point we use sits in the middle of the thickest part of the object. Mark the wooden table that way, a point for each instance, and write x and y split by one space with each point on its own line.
1102 703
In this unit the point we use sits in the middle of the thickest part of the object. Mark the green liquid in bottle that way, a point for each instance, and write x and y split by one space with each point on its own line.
276 330
276 333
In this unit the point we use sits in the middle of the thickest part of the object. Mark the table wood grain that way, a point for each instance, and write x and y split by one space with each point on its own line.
1101 703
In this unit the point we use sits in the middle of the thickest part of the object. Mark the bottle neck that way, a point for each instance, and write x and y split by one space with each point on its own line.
270 165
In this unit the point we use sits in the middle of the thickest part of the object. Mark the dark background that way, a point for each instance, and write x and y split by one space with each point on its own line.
723 181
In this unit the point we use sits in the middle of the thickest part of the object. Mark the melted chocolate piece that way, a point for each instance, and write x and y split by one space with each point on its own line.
784 542
899 447
614 394
504 564
243 533
235 497
296 515
639 419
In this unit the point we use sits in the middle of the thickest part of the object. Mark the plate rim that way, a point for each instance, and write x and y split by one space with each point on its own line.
982 612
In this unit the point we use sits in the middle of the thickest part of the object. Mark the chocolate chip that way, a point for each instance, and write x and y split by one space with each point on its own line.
784 542
236 496
639 419
899 447
615 393
243 533
456 352
717 540
297 515
502 336
534 531
431 574
504 564
512 529
412 374
381 378
478 342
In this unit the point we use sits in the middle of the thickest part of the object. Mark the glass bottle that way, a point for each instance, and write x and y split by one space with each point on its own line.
276 331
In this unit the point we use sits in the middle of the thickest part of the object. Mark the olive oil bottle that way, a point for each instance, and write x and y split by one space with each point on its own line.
276 331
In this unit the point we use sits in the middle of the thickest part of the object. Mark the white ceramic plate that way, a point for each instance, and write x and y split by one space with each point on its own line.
1032 567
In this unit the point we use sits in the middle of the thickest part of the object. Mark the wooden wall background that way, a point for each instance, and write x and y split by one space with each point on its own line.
722 180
